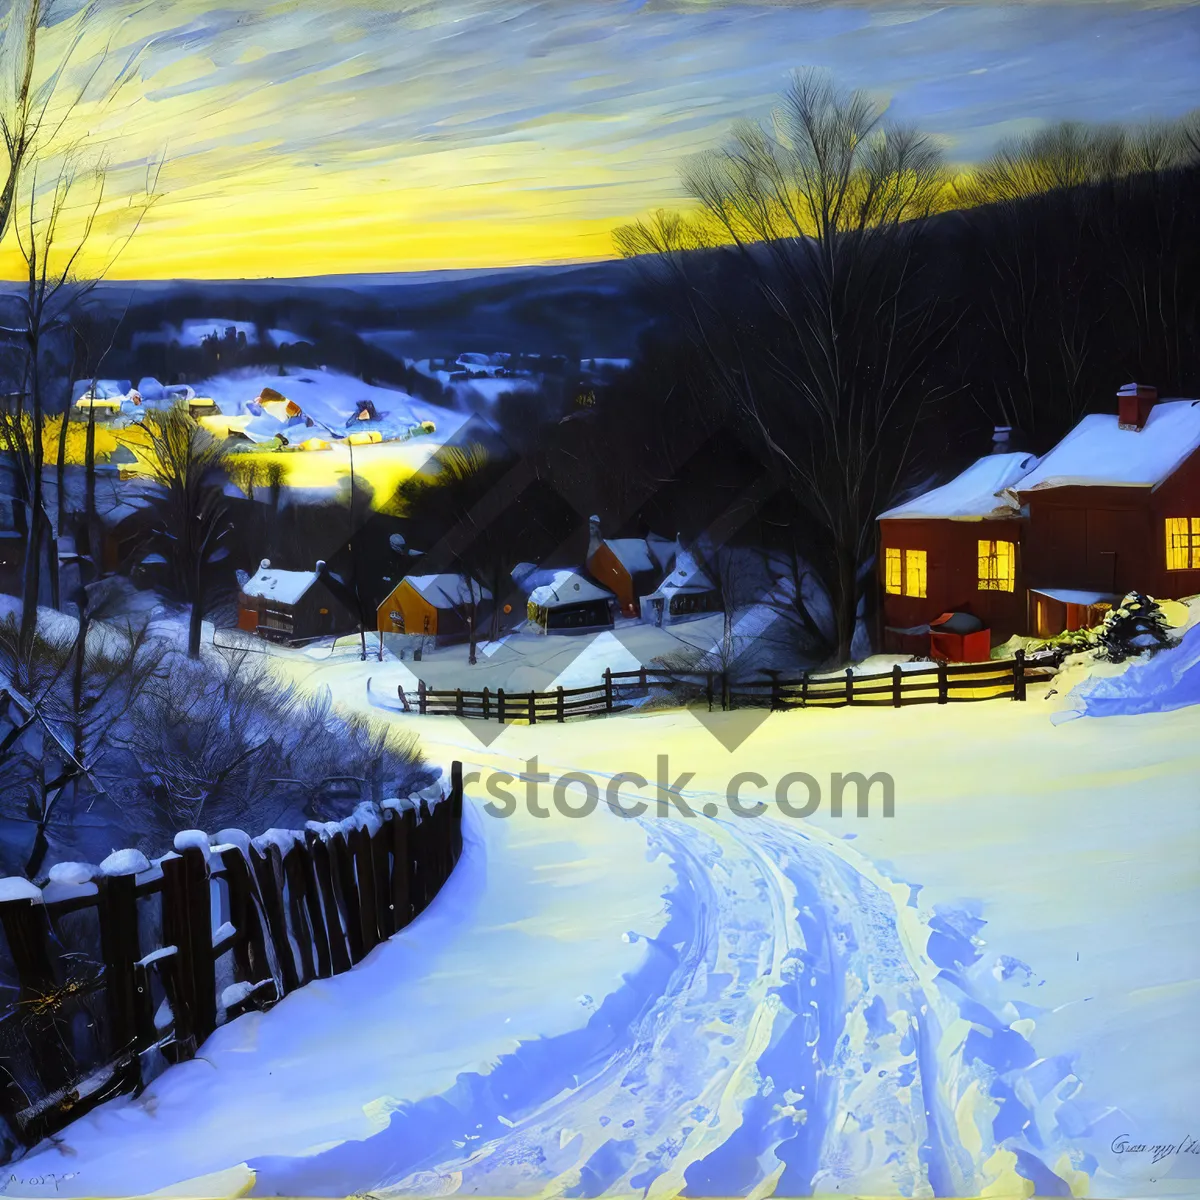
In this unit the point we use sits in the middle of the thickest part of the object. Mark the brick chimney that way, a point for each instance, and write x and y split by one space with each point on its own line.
1134 402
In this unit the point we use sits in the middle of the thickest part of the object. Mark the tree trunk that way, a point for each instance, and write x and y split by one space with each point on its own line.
195 619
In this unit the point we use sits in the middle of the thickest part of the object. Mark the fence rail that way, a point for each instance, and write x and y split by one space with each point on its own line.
939 683
113 972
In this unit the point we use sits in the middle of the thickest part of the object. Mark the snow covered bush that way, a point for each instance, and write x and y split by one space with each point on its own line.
1135 626
220 742
110 737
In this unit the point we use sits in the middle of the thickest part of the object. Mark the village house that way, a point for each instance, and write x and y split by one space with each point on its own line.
685 593
955 549
630 568
439 606
1113 508
564 601
1039 547
291 606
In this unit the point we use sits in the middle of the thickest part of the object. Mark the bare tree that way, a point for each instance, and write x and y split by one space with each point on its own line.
66 695
1083 237
798 284
188 465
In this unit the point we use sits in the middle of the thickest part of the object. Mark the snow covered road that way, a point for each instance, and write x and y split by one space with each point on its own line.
982 991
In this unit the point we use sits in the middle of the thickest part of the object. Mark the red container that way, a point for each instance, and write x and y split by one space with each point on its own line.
949 645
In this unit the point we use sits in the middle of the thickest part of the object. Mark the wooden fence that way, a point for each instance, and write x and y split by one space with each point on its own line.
113 972
939 683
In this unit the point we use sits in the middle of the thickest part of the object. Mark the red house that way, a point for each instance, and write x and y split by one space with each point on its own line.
955 549
1114 507
1038 547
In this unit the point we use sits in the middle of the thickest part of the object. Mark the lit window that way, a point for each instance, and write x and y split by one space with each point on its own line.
1183 543
997 566
914 572
892 572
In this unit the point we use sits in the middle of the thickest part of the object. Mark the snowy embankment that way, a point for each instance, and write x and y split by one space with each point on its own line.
980 993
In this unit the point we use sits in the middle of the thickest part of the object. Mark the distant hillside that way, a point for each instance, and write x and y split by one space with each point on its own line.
592 310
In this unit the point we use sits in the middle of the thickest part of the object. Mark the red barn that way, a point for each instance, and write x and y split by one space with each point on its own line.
1113 508
955 549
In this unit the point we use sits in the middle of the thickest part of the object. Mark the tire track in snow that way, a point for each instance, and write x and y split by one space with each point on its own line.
780 1038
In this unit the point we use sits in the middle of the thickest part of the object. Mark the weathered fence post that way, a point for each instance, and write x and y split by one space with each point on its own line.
268 873
642 686
339 955
401 881
487 712
803 689
849 685
187 925
364 870
709 689
774 693
384 913
897 675
297 897
561 709
27 930
250 953
943 683
421 696
1019 675
532 708
458 702
608 692
118 915
500 705
346 888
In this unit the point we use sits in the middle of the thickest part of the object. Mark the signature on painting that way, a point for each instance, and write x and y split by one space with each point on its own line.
1123 1144
47 1180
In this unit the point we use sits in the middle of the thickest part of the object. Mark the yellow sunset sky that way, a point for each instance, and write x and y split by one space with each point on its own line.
299 138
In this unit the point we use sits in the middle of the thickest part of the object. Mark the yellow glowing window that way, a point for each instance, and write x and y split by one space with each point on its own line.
914 572
1183 543
892 571
997 566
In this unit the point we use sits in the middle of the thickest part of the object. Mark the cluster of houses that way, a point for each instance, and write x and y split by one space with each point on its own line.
1013 545
271 420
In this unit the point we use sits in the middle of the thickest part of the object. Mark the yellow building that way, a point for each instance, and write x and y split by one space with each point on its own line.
435 605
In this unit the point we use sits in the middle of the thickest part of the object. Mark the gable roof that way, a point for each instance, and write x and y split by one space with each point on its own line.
567 587
686 577
446 590
632 553
972 495
270 583
1098 453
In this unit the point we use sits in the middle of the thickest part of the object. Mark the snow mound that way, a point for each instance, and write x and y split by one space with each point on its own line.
587 668
125 862
1168 680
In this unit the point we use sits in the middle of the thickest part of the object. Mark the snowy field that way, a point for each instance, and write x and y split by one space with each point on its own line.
982 994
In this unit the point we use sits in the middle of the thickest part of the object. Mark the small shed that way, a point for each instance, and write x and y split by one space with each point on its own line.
289 606
686 592
564 601
440 606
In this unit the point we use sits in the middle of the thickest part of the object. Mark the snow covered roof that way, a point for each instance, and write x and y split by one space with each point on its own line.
567 587
632 553
1098 453
686 577
1076 595
972 495
270 583
446 590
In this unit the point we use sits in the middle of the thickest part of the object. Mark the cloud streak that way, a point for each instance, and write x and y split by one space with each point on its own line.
479 132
